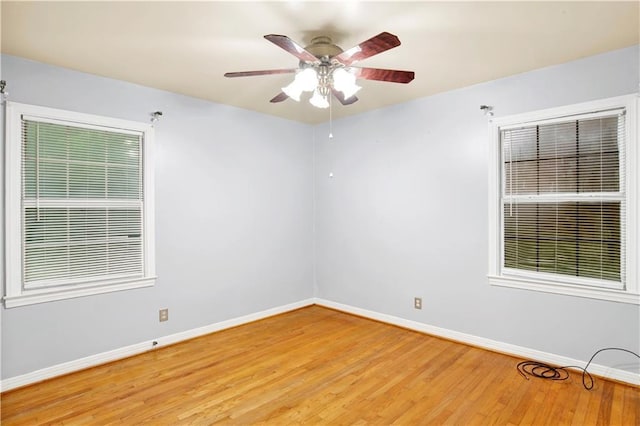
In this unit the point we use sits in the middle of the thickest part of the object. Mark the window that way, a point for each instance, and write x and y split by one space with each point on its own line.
79 199
563 200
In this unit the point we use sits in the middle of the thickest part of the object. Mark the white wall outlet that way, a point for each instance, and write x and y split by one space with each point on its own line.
417 302
164 314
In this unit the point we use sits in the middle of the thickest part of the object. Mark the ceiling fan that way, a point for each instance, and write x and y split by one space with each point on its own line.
325 69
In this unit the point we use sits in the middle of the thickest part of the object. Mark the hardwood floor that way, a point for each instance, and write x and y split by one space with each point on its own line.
317 366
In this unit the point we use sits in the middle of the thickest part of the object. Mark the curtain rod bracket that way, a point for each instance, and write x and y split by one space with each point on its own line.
487 109
155 116
3 90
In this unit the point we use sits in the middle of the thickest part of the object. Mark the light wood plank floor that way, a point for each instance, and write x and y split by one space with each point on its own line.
317 366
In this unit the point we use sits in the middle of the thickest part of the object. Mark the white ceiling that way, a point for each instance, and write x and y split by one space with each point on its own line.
186 47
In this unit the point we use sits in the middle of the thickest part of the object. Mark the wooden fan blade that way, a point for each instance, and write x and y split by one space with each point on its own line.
340 96
394 76
368 48
263 72
279 98
292 47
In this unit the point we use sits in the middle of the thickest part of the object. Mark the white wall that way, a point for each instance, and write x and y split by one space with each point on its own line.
406 215
233 218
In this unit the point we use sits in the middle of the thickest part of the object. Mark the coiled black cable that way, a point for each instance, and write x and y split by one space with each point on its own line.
549 372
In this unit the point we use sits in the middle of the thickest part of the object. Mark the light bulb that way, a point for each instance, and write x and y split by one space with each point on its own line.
318 100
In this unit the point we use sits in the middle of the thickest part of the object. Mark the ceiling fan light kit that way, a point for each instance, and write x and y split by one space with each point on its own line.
321 81
325 69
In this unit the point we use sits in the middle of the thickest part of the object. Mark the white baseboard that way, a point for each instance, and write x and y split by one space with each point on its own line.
71 366
127 351
519 351
234 322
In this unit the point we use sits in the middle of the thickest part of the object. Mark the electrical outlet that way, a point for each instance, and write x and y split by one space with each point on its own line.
164 314
417 302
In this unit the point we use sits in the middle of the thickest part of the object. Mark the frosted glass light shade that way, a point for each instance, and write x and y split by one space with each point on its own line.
293 90
318 100
345 82
307 79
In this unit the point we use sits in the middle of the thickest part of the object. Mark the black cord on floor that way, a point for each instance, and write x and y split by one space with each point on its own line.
549 372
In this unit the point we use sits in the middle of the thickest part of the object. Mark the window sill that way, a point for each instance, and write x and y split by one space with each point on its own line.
31 297
619 296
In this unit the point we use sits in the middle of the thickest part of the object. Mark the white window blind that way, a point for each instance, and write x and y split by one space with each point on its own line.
79 197
563 198
82 198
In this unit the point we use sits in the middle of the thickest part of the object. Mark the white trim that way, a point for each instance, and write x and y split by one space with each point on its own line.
468 339
522 283
234 322
149 202
72 366
562 118
633 197
13 239
494 192
567 285
78 119
15 292
564 111
484 343
562 281
81 124
31 297
127 351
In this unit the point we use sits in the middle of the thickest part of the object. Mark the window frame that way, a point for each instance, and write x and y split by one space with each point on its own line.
573 286
15 292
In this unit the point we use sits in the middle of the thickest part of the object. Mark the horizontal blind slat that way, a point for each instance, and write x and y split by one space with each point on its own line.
568 160
82 203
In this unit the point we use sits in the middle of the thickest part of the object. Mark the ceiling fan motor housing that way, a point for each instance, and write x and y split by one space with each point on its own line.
323 46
